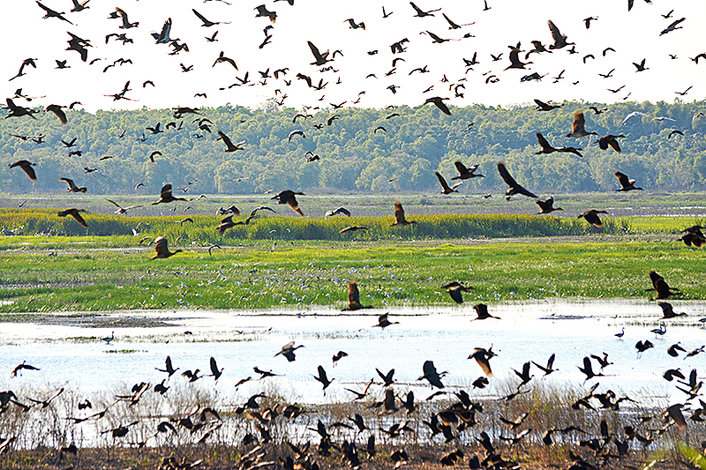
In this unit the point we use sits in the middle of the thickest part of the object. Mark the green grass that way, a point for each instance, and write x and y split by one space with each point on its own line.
316 273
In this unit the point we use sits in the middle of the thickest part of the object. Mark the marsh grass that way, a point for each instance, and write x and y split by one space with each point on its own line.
223 440
201 228
316 274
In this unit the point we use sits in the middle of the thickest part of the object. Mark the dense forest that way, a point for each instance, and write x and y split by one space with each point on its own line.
360 150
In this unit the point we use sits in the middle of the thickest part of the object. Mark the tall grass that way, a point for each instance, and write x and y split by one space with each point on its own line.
202 228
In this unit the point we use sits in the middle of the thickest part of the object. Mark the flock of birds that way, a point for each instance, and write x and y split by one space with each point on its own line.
385 425
460 414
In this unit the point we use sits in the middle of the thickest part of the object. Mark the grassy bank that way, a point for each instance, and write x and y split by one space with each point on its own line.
295 274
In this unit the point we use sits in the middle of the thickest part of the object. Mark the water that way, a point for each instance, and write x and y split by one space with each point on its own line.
70 354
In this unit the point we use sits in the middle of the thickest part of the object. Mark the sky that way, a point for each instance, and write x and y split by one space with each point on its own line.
634 36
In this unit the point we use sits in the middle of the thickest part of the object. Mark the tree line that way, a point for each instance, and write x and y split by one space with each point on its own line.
359 150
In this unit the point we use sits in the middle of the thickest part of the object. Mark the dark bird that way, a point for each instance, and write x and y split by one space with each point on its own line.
514 187
465 173
289 197
547 206
338 356
26 166
676 348
587 369
610 141
455 289
354 298
439 102
19 368
168 368
482 357
288 351
72 186
56 109
206 23
323 378
126 22
660 286
431 375
340 210
384 321
674 132
693 236
419 13
353 25
445 188
587 21
262 11
673 26
18 111
626 184
550 365
230 147
559 39
215 371
387 379
524 375
640 66
76 214
482 312
166 196
643 346
592 218
547 148
542 106
223 59
322 58
295 132
400 219
161 248
577 127
49 13
353 228
120 209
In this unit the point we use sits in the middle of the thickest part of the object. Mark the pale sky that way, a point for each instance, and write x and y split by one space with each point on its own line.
634 36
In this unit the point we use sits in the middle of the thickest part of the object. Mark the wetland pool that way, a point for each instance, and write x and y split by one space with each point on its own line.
69 352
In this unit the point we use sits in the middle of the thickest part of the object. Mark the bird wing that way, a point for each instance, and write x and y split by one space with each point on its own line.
201 17
166 191
461 168
613 142
59 113
226 140
543 142
556 34
315 51
399 213
485 365
77 216
579 122
212 362
623 179
70 182
442 181
505 175
353 293
161 246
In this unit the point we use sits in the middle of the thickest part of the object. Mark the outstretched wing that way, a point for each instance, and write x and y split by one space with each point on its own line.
353 293
399 212
623 179
556 34
505 175
442 181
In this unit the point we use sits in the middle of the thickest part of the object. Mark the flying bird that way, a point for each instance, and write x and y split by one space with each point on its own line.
514 187
289 197
76 214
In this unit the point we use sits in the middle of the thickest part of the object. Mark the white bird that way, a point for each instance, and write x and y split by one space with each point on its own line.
631 115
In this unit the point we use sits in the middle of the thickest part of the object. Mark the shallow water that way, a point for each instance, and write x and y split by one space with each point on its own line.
71 354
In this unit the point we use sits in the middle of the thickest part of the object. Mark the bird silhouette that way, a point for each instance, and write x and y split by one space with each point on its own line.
547 206
482 357
591 216
288 351
323 378
161 248
76 214
577 127
660 286
354 298
384 321
400 219
482 312
26 166
626 184
289 197
514 187
465 173
166 196
445 188
431 375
